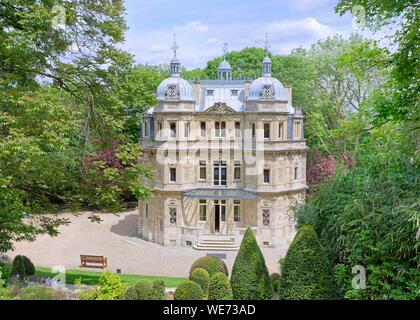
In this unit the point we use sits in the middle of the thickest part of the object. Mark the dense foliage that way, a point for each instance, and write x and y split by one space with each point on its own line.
110 287
37 293
250 278
210 264
220 288
144 289
189 290
18 268
158 290
202 277
305 271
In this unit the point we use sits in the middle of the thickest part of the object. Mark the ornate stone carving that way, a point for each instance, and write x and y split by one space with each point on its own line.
172 92
172 215
266 217
267 92
220 108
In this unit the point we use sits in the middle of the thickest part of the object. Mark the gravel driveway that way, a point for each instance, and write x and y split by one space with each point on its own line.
116 238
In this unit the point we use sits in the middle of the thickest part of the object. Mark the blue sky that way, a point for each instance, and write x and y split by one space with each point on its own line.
202 26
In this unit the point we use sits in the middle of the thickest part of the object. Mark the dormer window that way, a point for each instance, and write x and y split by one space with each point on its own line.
234 92
210 93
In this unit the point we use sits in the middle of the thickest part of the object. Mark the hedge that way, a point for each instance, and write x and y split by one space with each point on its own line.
305 272
158 290
250 278
211 265
18 268
201 277
144 290
188 290
220 288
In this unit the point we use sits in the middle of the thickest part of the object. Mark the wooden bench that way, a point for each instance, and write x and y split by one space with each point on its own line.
84 258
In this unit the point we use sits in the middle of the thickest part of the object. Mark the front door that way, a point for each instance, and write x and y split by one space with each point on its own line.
219 216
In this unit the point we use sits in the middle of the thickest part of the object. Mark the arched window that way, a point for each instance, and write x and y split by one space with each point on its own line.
237 129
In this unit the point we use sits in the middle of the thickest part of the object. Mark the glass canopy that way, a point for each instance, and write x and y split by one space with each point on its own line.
219 194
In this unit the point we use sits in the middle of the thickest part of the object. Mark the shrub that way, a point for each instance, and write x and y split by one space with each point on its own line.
29 266
5 272
188 290
201 277
5 294
275 281
305 274
144 290
110 287
219 288
211 265
18 268
158 291
130 293
250 279
90 294
37 293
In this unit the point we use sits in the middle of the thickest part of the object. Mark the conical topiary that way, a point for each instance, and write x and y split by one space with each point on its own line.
305 271
250 278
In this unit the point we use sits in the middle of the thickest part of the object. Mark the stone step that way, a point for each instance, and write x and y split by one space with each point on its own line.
215 248
218 241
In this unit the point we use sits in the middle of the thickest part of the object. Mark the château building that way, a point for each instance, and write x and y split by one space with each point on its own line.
227 155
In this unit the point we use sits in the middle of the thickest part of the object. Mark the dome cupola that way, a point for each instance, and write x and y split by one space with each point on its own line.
224 71
175 87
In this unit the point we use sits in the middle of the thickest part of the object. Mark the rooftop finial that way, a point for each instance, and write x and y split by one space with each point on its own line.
267 44
225 49
175 46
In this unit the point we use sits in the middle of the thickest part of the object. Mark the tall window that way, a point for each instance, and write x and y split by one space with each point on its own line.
236 210
220 128
237 129
281 130
223 210
266 176
253 130
146 210
296 173
297 129
219 173
266 131
186 129
159 133
203 210
203 170
173 129
146 128
172 175
202 129
237 171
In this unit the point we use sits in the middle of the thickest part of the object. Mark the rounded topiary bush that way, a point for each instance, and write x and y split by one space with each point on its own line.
144 290
275 281
220 288
211 265
18 268
130 293
29 266
188 290
37 293
305 271
202 277
158 290
250 278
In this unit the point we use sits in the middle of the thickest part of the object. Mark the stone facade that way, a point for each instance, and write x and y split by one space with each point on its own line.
222 161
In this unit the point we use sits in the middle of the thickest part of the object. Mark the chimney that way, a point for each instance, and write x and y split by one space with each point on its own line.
288 91
196 91
247 84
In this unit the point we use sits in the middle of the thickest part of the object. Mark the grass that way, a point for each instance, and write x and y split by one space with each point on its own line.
92 277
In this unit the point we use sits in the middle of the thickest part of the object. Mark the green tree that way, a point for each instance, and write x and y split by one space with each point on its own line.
250 278
305 271
220 288
110 287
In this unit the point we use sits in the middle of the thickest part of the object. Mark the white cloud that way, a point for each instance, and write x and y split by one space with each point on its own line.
193 26
308 27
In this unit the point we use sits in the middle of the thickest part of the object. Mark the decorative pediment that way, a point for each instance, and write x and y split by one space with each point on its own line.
220 108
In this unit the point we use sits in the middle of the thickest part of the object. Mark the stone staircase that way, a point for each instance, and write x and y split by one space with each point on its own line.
217 243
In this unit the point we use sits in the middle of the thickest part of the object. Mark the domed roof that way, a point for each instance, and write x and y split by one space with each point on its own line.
266 88
175 88
224 65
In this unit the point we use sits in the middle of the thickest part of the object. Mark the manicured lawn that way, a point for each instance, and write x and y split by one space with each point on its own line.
92 277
